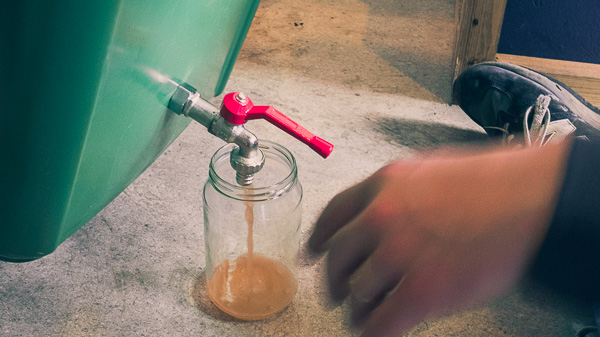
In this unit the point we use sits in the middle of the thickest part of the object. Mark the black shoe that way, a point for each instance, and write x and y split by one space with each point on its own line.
524 106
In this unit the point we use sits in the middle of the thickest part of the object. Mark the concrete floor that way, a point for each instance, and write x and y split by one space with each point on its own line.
373 78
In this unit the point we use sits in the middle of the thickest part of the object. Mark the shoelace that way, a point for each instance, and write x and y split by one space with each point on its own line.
535 134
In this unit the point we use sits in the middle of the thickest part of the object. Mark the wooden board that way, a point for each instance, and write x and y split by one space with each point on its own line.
478 25
584 78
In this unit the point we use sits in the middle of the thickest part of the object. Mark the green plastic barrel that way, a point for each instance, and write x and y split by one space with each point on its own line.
79 121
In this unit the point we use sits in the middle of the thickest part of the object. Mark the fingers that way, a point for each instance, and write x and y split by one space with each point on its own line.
341 209
381 273
369 287
350 247
415 298
399 311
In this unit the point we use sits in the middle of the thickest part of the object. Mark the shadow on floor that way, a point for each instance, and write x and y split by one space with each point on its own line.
433 76
417 39
531 300
421 135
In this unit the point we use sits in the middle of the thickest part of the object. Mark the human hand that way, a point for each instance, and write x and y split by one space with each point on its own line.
425 238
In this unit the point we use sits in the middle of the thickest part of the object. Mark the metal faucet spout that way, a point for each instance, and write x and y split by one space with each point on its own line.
247 159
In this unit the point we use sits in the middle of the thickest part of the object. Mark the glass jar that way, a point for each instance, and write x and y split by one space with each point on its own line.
252 234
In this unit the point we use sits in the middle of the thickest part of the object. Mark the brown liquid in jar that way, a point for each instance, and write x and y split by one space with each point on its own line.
253 286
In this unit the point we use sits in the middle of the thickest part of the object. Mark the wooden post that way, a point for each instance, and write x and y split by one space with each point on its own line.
478 32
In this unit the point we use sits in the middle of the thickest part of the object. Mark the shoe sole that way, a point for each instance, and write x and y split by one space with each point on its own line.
569 98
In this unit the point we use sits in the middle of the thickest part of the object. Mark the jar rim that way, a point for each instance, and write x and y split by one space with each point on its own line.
260 193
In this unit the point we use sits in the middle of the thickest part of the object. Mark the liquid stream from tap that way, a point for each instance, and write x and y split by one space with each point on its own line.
253 286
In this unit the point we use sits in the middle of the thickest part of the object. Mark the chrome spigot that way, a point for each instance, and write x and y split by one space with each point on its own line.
227 123
247 159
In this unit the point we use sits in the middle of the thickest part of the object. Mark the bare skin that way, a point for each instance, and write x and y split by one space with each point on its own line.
437 235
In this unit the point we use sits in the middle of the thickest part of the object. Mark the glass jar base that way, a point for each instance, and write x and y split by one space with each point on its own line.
252 287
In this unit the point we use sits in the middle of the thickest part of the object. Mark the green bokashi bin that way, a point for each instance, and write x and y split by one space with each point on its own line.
78 119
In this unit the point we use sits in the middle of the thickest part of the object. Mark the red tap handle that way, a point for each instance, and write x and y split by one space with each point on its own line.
237 109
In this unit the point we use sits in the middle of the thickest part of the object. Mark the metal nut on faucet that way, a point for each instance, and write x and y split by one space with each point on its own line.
181 97
247 166
188 102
